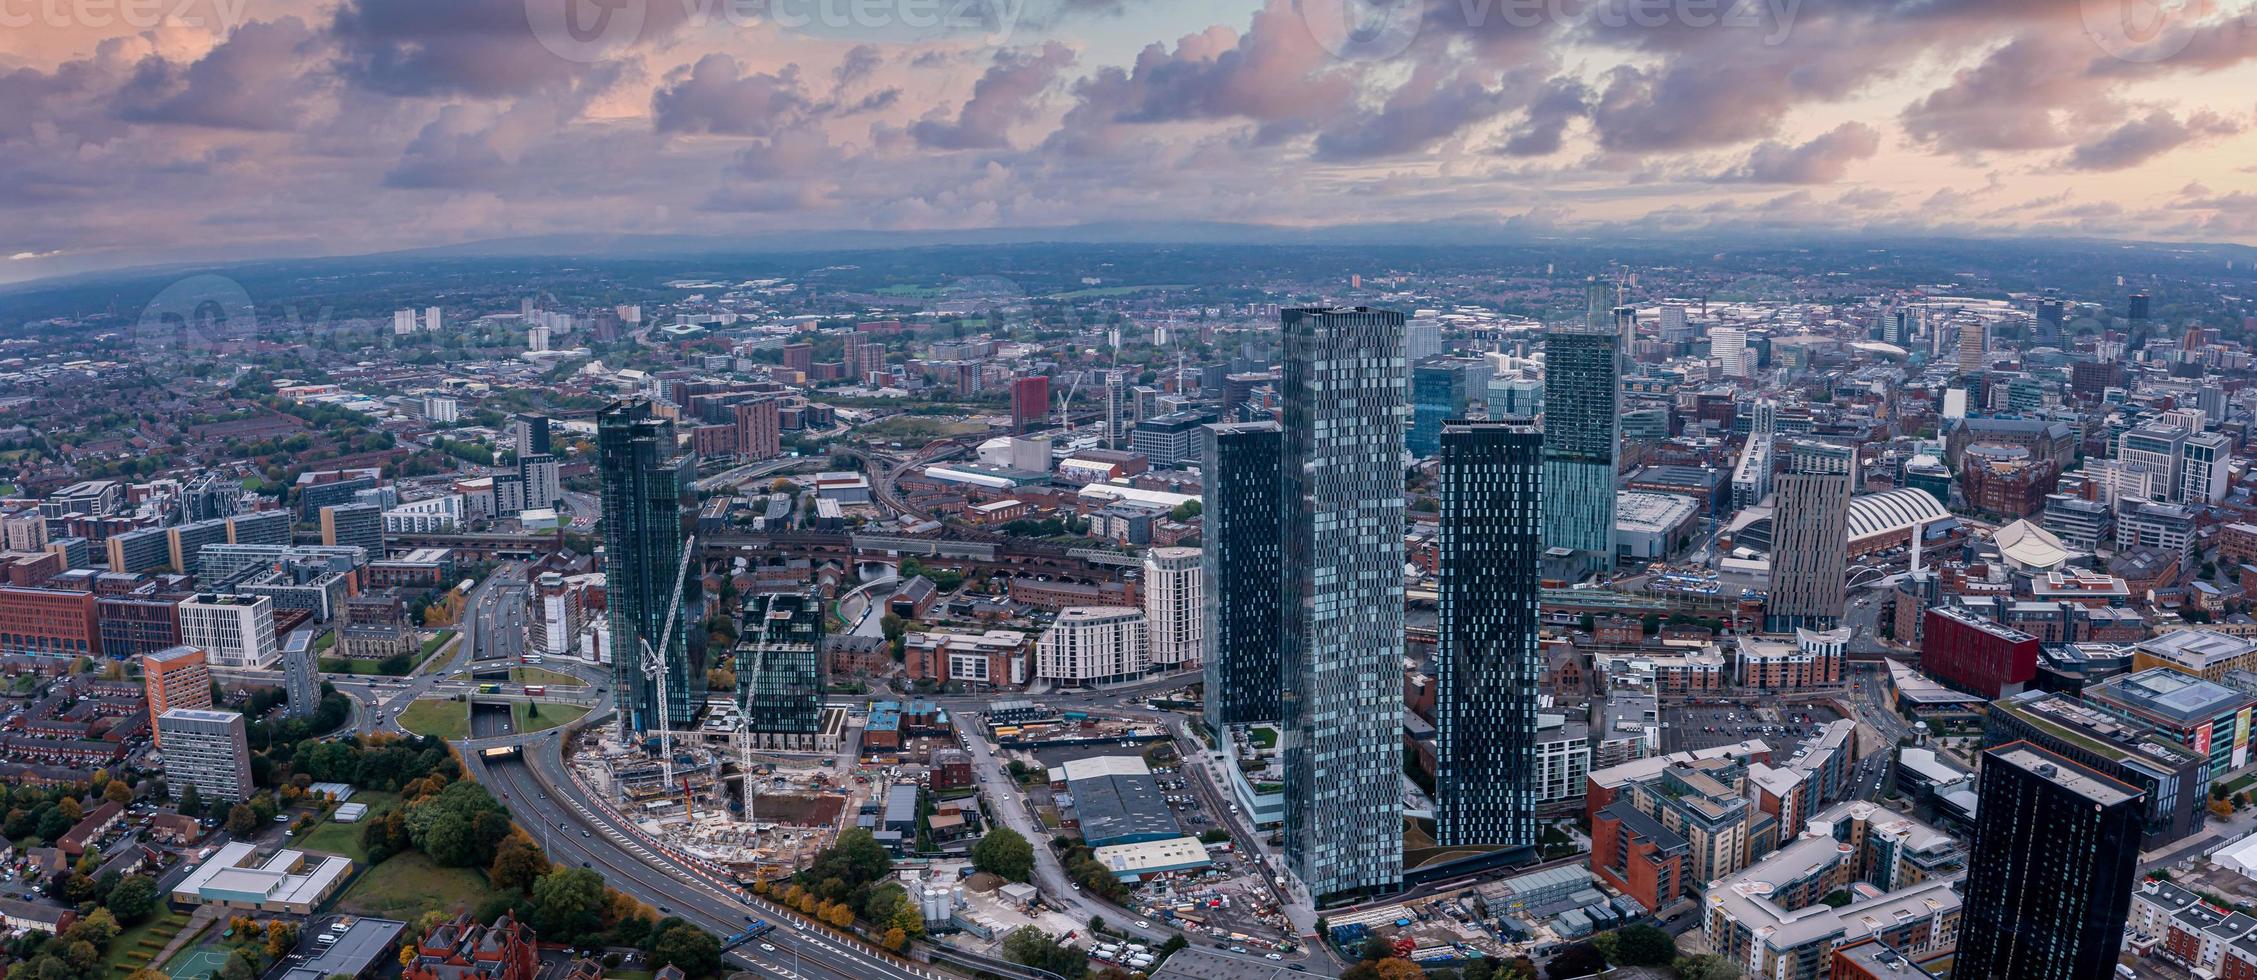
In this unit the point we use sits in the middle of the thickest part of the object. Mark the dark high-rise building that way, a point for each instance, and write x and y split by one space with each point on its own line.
529 435
1810 538
779 666
1486 662
1030 402
2050 875
1239 540
1582 435
1341 662
647 490
2137 309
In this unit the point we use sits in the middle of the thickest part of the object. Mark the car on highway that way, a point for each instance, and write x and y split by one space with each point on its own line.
767 948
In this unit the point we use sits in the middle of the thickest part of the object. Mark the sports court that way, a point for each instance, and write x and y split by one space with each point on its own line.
197 964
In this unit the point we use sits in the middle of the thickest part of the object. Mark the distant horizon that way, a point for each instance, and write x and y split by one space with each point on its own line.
652 246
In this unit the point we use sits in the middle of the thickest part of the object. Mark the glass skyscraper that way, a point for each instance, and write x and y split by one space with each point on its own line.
1239 540
1341 703
1582 435
647 490
1441 388
1486 662
2051 870
779 664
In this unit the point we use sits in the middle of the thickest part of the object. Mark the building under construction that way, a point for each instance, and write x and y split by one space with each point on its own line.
779 668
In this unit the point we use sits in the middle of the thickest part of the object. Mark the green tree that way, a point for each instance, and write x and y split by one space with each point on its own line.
1576 960
1706 966
191 802
1643 945
242 821
133 899
518 862
569 903
1005 853
695 951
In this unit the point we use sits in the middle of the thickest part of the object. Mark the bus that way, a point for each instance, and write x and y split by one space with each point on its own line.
499 752
529 658
536 690
489 689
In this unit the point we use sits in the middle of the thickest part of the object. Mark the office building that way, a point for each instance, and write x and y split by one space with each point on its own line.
1342 556
354 525
1808 531
232 630
1974 347
2050 876
2203 473
1975 655
1486 663
1171 440
1442 388
1175 608
208 750
2158 449
2173 777
2212 719
1582 435
1515 399
174 678
648 491
1240 536
1093 645
1030 403
779 668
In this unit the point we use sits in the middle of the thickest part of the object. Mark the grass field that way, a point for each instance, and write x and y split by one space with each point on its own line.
344 838
539 675
407 885
442 718
345 665
133 948
919 427
552 715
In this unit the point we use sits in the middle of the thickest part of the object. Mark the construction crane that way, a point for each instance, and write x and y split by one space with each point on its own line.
655 666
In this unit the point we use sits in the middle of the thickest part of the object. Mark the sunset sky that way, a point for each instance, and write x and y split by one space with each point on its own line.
272 128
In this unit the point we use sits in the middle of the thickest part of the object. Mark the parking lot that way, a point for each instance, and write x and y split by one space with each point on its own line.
1693 727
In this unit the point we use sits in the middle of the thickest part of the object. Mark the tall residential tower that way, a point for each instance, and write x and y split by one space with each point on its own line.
1486 662
1239 539
647 488
1342 556
1582 437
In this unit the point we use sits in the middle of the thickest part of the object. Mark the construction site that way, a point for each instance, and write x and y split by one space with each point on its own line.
697 804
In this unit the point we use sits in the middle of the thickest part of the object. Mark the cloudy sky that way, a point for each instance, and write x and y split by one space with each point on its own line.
134 131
